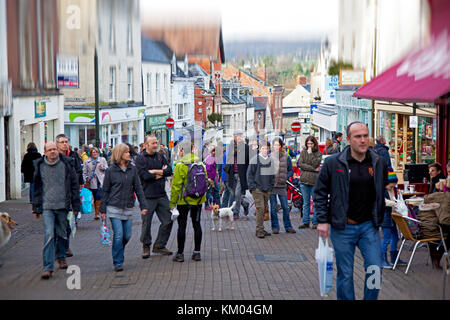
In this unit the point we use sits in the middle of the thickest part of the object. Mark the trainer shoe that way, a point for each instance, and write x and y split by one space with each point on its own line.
179 257
46 274
291 231
163 251
118 268
62 264
196 256
303 226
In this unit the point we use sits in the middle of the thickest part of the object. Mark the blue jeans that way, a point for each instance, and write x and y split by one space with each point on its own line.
55 234
367 238
212 195
274 215
307 193
31 191
390 237
227 197
121 236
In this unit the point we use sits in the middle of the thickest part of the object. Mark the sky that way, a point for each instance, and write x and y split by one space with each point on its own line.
255 19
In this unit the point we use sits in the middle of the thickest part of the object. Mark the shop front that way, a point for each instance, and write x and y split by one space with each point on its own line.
324 122
156 125
34 119
395 128
117 125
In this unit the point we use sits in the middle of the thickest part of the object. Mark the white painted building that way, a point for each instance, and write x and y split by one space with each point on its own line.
395 26
118 44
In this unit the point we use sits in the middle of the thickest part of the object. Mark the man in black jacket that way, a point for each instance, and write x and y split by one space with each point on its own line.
238 158
153 168
62 143
349 195
54 173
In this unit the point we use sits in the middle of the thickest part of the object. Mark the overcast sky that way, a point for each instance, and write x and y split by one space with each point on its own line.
255 19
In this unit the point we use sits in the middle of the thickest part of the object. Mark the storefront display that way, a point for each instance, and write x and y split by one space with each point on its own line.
395 129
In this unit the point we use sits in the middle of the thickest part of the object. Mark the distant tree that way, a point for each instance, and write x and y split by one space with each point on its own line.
268 61
335 67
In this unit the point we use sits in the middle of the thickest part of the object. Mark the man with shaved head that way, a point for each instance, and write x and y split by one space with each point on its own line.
349 200
153 168
56 193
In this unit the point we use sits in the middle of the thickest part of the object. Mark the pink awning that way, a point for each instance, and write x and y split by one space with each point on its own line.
424 74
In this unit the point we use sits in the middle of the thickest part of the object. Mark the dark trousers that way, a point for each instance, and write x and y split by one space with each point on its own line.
162 209
182 223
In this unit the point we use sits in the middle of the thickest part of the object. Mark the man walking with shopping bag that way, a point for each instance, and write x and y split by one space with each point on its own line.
349 196
153 168
56 193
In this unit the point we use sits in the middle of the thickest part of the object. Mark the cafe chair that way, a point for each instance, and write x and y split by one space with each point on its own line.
400 221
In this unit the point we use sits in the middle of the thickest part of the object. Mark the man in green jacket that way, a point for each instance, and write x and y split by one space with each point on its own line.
184 203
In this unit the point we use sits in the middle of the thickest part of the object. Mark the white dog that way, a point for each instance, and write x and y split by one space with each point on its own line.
6 224
218 213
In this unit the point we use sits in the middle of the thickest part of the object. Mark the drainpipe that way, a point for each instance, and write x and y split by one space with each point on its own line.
39 40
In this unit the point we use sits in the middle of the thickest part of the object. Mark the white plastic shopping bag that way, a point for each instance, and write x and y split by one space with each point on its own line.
72 224
401 207
324 259
175 214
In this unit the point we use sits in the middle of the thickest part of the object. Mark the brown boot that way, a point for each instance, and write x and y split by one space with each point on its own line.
97 209
145 251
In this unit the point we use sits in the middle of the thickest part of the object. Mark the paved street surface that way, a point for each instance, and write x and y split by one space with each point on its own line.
235 265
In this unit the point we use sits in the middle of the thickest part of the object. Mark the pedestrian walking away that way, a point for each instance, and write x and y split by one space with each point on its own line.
62 143
383 151
261 180
153 168
349 196
283 171
212 196
54 171
119 186
185 200
27 166
94 173
309 164
236 168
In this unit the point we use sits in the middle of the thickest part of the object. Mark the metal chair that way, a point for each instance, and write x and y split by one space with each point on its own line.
400 221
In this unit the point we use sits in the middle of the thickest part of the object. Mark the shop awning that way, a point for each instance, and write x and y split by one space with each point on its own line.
422 76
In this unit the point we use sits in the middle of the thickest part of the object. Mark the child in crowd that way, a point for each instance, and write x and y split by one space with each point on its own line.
388 227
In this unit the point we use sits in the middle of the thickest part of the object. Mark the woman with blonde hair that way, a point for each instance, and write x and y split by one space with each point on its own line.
94 174
119 186
329 148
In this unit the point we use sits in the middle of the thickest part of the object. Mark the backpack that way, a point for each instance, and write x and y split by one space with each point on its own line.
86 201
197 184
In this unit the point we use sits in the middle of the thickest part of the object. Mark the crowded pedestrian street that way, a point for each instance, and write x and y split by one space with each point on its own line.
235 266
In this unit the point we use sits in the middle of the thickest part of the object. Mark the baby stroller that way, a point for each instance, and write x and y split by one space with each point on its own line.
294 195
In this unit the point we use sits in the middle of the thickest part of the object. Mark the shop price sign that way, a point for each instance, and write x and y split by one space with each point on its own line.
170 123
413 122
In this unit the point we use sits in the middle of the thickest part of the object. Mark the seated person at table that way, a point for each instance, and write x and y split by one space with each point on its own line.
436 174
444 186
388 227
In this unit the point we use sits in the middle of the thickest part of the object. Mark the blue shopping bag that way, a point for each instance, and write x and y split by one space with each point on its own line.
86 201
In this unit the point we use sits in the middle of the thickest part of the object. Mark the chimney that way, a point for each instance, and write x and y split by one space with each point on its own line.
301 80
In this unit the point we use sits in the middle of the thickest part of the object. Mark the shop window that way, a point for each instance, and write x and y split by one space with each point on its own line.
130 83
82 135
91 136
426 140
125 133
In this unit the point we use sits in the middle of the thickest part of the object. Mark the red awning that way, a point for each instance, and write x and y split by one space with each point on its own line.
422 76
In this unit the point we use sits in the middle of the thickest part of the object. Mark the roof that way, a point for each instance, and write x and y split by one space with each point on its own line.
152 51
295 98
193 40
259 89
260 103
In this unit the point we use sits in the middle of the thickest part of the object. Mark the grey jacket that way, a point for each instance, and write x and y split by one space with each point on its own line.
119 188
308 163
261 174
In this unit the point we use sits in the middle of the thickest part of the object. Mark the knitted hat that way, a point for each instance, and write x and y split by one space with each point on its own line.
392 177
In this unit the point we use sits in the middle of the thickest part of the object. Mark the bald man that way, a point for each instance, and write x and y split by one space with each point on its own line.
54 174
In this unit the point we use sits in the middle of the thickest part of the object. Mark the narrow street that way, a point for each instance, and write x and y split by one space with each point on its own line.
235 265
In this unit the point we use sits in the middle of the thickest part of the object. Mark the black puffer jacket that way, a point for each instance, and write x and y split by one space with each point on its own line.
27 167
72 186
152 188
334 181
119 188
